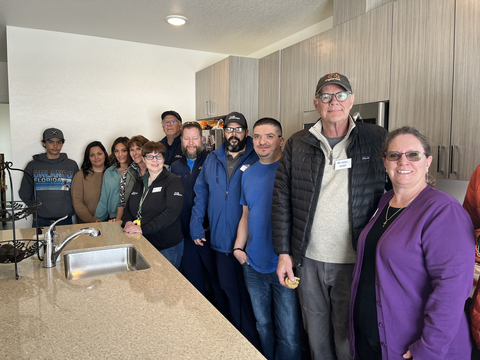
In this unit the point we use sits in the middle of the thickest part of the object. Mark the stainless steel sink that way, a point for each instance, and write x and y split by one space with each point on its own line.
85 263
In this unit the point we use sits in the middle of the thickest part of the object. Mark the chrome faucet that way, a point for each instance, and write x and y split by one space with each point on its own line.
52 250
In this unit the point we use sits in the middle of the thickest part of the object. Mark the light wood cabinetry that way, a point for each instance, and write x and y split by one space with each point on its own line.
269 86
466 89
295 94
228 85
345 10
422 73
359 49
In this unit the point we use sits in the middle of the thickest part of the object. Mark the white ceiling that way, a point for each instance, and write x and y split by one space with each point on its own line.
235 27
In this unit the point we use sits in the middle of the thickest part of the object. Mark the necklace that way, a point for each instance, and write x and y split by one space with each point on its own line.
387 219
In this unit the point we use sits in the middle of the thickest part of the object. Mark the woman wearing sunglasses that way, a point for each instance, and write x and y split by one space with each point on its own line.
414 266
155 203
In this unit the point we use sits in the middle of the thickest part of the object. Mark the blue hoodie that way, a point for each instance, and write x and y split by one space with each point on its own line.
220 197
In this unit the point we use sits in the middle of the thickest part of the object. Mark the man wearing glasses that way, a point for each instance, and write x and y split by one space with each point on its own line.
217 191
327 187
172 127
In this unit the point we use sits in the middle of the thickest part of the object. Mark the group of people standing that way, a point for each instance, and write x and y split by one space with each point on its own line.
382 262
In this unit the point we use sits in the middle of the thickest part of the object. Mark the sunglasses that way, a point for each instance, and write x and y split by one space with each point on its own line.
410 155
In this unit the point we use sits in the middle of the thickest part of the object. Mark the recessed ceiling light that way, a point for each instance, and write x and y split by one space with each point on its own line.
176 20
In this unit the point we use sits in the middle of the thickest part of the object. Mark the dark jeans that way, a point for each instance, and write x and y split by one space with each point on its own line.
230 275
174 254
324 294
277 312
195 260
43 222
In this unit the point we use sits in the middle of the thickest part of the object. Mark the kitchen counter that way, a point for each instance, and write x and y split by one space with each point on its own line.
152 313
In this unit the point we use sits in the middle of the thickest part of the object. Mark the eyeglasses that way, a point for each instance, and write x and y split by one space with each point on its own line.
230 130
151 157
340 96
172 122
410 155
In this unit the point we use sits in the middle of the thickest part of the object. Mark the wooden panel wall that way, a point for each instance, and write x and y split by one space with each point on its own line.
221 89
269 86
422 70
466 89
344 10
359 49
244 88
294 93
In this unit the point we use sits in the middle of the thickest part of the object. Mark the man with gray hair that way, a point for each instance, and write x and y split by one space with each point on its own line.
327 187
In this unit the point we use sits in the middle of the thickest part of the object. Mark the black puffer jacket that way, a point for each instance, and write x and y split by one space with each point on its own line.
299 178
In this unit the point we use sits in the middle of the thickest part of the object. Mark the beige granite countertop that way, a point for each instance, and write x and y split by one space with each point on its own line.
147 314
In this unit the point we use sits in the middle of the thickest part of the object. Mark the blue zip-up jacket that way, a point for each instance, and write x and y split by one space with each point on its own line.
221 197
188 177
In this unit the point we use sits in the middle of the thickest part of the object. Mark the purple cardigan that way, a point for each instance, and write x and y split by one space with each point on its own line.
424 273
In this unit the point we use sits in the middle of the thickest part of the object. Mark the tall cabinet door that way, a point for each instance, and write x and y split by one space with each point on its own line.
269 86
422 73
466 89
203 92
295 94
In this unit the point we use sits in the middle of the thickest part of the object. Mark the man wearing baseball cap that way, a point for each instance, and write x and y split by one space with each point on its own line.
52 173
327 187
217 191
172 127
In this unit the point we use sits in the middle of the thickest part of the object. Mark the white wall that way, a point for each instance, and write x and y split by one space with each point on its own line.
3 83
94 89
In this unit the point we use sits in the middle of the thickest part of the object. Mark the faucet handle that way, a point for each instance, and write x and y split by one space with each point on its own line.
49 234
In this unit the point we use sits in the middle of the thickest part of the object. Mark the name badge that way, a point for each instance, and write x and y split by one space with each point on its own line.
244 167
157 189
343 164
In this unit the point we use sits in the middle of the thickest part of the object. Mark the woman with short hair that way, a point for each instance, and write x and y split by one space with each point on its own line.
155 204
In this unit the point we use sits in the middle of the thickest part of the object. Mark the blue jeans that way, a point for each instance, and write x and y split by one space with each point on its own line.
174 254
279 329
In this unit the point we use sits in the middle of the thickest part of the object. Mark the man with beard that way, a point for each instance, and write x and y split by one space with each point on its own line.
196 258
218 192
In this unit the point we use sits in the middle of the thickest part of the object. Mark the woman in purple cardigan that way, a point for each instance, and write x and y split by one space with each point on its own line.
415 264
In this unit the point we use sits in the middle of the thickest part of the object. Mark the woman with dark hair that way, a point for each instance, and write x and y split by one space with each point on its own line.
414 267
155 204
87 183
135 171
108 204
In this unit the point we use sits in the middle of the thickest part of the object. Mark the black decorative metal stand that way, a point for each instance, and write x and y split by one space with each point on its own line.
16 250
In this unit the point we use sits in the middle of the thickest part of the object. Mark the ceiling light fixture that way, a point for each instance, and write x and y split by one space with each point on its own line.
176 20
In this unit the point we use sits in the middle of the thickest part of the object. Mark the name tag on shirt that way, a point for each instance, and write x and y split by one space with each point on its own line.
244 167
343 164
157 189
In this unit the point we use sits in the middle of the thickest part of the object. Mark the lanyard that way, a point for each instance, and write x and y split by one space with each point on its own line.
146 187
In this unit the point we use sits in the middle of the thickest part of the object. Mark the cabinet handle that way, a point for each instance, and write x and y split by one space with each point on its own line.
439 155
206 107
453 169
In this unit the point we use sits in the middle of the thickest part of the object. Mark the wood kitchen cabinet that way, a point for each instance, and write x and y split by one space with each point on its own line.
295 94
465 129
435 80
269 86
359 49
228 85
